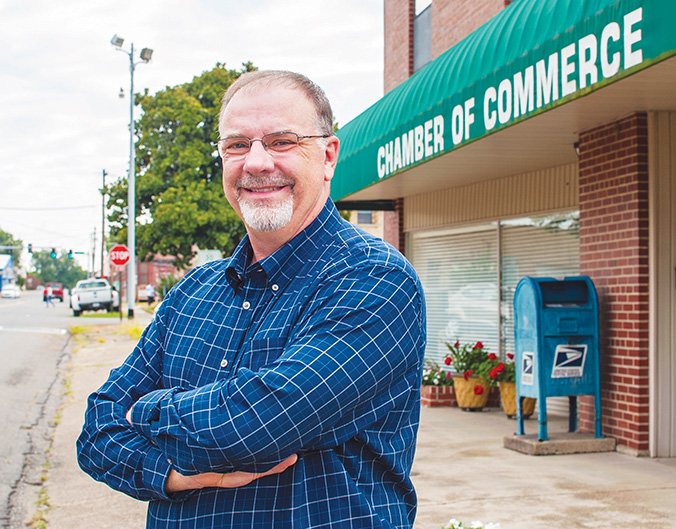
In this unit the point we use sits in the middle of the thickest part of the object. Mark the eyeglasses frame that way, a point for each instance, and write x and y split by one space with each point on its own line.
265 146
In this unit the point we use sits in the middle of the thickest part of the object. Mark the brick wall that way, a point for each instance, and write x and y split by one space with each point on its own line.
398 29
391 228
436 396
614 253
453 20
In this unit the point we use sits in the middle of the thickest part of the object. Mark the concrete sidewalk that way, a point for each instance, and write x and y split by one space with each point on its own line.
461 469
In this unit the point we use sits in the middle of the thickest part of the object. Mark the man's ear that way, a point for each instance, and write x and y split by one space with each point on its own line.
331 157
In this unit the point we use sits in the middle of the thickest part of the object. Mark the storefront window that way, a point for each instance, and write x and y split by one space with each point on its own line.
364 217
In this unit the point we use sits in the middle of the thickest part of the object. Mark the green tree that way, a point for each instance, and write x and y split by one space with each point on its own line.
179 192
7 239
61 269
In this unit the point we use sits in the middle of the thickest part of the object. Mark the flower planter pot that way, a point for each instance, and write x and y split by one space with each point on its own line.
508 401
435 396
471 394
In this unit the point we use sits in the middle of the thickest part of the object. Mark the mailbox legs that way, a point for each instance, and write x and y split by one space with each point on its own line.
519 415
542 419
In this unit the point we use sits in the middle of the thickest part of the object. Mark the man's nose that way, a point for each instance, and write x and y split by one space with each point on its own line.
258 159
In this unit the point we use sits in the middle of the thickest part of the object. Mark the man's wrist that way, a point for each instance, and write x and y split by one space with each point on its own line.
178 483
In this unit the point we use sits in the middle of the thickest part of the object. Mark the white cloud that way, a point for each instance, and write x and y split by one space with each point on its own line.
61 121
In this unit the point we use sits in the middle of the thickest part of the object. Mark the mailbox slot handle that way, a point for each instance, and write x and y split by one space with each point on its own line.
564 294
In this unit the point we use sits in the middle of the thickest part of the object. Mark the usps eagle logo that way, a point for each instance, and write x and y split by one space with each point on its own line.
569 361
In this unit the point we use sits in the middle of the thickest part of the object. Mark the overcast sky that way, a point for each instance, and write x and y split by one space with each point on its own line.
62 122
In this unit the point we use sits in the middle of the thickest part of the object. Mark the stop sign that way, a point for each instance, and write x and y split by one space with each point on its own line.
119 255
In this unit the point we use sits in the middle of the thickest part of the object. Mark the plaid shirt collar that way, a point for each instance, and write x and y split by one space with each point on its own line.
279 266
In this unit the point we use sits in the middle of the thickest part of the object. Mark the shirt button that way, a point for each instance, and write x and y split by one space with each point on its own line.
275 287
246 305
224 363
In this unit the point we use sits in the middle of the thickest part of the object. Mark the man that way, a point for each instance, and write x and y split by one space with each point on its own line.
49 295
280 387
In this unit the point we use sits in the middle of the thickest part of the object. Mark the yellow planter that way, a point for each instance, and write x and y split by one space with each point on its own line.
469 398
508 401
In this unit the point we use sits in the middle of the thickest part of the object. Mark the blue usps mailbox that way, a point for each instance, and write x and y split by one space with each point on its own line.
557 346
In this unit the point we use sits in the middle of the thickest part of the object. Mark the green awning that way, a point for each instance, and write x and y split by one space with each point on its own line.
534 56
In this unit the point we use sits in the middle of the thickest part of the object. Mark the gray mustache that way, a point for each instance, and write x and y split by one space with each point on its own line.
252 183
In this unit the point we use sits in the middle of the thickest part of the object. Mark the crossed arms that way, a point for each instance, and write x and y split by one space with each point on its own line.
354 358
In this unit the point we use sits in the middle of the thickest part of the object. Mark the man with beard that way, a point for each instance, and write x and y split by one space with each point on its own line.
278 387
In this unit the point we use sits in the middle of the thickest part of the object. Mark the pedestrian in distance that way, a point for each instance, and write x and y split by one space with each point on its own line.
150 294
49 296
279 387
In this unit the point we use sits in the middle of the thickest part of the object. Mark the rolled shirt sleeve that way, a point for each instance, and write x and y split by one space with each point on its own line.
108 448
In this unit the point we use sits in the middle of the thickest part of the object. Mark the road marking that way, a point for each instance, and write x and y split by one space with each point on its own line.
36 330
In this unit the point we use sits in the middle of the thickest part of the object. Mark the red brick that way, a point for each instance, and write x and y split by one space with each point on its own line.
614 253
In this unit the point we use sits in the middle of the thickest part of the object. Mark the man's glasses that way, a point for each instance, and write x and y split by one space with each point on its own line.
275 142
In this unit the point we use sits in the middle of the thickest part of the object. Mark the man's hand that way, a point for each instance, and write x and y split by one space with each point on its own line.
178 482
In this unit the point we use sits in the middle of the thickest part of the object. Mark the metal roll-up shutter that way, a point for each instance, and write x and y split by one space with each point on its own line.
458 270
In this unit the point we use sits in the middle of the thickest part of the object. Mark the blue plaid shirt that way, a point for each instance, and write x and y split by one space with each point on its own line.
315 350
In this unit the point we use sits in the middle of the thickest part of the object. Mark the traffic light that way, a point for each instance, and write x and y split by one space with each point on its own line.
30 248
70 254
52 254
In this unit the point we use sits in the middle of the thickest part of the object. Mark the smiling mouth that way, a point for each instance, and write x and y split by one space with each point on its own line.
263 189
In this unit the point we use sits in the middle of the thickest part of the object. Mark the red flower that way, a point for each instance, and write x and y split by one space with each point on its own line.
467 374
478 389
478 345
448 375
494 373
456 344
510 356
492 356
500 367
447 360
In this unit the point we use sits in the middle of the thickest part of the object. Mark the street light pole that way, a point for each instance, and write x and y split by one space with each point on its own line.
131 197
146 54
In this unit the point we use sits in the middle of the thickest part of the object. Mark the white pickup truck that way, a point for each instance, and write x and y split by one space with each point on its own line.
93 294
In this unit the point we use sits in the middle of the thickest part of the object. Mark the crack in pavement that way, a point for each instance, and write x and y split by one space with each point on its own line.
39 439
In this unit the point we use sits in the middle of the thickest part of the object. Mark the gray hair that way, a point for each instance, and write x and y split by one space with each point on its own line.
298 81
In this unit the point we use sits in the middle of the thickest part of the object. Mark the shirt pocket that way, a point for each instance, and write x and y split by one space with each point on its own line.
262 352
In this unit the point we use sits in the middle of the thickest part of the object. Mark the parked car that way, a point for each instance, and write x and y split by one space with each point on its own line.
11 291
93 294
57 290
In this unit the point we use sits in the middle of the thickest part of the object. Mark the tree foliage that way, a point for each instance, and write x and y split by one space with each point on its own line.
7 239
178 185
61 269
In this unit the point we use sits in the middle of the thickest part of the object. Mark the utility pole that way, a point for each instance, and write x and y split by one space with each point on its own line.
93 268
103 220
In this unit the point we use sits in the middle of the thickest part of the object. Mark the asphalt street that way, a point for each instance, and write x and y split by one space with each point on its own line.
33 347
